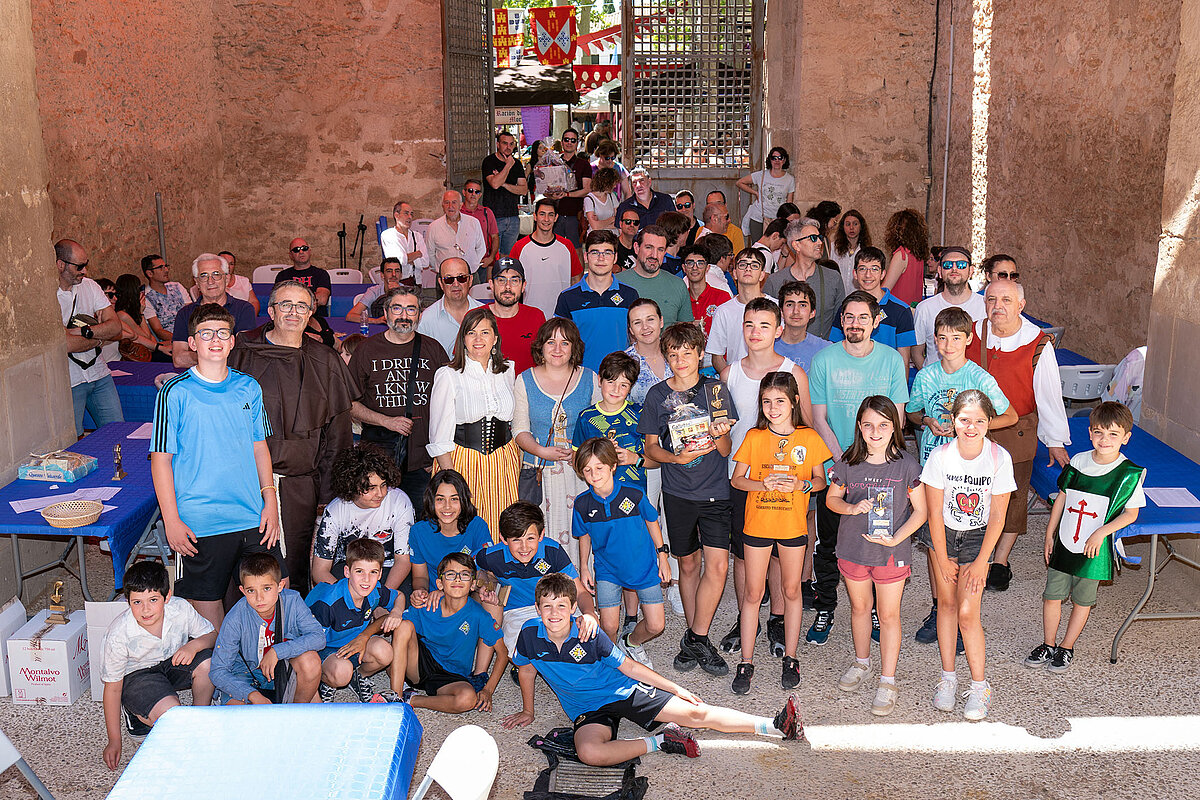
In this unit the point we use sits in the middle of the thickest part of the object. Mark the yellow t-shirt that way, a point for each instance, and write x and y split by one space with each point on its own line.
801 454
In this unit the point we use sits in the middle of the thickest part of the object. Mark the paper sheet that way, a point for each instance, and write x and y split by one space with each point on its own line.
99 494
143 431
1171 497
120 373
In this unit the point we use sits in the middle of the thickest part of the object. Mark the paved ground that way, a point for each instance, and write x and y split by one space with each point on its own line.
1048 737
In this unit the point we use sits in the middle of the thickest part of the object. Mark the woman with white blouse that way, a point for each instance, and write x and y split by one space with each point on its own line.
471 413
852 235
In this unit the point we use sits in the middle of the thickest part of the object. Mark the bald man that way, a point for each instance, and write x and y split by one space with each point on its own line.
303 271
455 235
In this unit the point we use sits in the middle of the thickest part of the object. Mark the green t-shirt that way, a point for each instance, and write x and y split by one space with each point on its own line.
668 290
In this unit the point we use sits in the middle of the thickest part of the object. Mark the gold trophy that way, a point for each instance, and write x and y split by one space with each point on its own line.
57 609
120 473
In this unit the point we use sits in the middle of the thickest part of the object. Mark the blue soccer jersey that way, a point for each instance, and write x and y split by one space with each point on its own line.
549 558
586 676
452 640
621 429
429 546
210 428
622 550
602 318
334 608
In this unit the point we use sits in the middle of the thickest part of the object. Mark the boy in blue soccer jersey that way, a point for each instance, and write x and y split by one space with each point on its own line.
598 687
353 611
211 466
445 651
616 419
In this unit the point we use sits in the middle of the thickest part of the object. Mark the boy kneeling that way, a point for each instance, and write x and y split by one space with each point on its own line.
265 632
598 687
156 647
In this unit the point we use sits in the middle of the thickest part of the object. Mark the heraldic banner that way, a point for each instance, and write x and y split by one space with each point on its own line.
508 38
554 32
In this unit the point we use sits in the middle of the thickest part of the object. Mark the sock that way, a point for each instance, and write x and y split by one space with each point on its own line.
979 684
695 637
653 743
886 681
772 617
765 727
950 676
866 662
631 619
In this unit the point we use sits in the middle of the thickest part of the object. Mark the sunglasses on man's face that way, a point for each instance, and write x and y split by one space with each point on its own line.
473 191
452 279
629 222
956 265
812 237
682 206
569 140
1008 276
301 249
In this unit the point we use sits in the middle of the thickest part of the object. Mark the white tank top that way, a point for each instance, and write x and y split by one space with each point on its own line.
744 392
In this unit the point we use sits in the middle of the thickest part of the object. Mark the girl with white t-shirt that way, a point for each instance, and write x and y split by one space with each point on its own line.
968 483
770 188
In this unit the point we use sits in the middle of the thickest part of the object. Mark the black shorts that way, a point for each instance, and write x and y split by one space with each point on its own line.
692 524
142 689
432 676
207 575
774 544
641 707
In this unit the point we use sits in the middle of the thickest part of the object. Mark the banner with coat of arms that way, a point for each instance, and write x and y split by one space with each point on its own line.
554 34
509 36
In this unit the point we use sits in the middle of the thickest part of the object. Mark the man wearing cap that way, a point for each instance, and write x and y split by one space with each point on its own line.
516 322
599 304
954 268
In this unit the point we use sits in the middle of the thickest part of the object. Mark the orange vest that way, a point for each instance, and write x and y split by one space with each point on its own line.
1013 370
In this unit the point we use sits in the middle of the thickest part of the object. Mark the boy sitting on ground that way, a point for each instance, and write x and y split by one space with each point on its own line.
156 647
445 650
270 625
353 611
598 687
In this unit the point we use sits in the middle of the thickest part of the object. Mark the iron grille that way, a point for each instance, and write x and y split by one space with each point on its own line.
467 31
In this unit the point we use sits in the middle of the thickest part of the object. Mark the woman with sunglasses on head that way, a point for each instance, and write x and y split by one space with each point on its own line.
770 188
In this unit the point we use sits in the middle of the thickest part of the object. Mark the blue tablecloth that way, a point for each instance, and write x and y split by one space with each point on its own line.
135 503
137 390
341 298
1164 465
1069 358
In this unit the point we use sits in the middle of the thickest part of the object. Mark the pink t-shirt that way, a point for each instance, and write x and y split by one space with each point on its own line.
911 282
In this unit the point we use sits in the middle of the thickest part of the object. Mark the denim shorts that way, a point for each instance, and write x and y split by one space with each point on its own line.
964 546
608 595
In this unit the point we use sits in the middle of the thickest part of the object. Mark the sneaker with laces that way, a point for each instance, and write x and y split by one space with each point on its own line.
776 635
674 600
818 634
874 626
927 633
1061 661
790 677
684 660
679 742
704 654
637 652
741 679
787 721
1040 656
853 677
885 699
998 578
362 687
326 692
134 726
387 696
945 694
978 702
732 641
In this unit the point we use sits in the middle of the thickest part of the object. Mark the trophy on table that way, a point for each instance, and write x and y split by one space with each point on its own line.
120 473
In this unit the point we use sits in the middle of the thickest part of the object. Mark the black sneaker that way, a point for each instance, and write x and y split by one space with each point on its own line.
361 687
704 654
818 634
732 641
787 721
807 595
1040 656
790 678
679 742
326 692
515 674
685 661
959 647
874 626
776 635
134 726
741 680
1061 661
927 633
999 577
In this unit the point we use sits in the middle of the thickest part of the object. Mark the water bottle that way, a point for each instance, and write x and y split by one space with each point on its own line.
364 327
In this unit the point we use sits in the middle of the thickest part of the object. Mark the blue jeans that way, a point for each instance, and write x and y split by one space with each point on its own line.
100 398
568 228
510 231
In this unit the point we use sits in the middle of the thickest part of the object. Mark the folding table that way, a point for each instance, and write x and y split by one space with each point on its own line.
1165 467
136 389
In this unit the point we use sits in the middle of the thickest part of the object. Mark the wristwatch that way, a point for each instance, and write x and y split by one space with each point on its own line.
665 549
86 332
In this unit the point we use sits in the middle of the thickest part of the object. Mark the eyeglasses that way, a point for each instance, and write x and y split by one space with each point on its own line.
409 311
473 191
301 249
874 269
1007 276
682 206
956 265
465 575
863 318
451 279
157 267
111 295
630 221
206 335
76 266
288 307
749 264
812 237
693 262
605 253
776 158
210 276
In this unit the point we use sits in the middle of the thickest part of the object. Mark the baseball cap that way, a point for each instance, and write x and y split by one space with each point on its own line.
506 263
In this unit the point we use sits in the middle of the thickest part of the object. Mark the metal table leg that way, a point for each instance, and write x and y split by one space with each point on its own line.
1153 568
62 561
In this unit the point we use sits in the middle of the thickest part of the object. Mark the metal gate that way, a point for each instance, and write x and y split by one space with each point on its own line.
467 44
692 87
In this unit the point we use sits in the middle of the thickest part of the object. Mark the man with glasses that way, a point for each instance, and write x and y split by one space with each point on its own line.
716 219
628 225
92 387
954 268
550 260
685 204
705 292
516 322
726 344
212 277
454 236
164 295
504 182
443 319
391 374
302 270
369 305
472 192
896 326
406 245
648 203
307 397
599 304
570 204
803 239
842 376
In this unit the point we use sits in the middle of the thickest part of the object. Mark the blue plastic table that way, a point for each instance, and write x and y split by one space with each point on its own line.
350 751
341 296
129 528
1165 467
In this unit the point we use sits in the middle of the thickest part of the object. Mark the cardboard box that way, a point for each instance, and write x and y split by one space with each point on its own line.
99 617
12 617
51 668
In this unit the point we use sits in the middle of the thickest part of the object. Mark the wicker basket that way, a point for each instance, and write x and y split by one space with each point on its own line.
72 513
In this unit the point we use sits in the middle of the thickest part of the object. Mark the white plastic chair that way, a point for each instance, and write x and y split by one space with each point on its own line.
376 275
481 292
10 756
1085 382
345 276
465 765
267 273
421 226
1057 332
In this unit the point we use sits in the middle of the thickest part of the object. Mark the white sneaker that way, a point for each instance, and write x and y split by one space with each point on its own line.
853 677
978 702
637 652
674 600
885 699
944 695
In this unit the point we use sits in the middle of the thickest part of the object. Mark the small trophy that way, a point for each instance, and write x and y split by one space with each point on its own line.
120 473
720 407
879 525
57 609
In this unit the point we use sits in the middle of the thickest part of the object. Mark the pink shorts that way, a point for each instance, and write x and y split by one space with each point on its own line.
886 574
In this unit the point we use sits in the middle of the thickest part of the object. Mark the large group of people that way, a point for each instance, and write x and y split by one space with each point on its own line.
540 477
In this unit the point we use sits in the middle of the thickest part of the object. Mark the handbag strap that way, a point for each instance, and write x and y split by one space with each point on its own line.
412 375
561 397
